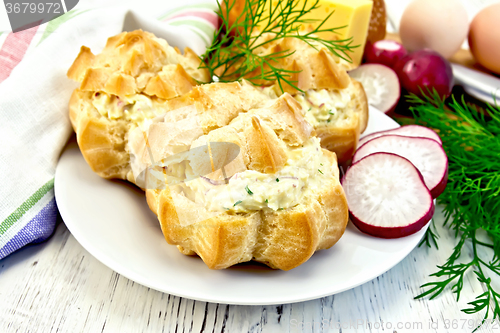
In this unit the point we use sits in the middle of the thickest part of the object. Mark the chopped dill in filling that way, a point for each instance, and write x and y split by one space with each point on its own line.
324 106
251 190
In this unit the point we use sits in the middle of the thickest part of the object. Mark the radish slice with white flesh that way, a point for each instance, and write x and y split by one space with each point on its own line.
426 154
381 85
409 130
387 196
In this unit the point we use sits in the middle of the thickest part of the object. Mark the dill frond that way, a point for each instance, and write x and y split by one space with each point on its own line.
472 197
233 54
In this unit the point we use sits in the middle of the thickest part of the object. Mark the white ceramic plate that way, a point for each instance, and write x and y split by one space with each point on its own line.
113 222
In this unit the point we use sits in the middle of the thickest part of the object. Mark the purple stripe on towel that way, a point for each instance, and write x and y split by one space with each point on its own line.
37 230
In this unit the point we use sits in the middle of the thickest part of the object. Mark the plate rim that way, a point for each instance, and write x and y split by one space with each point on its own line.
105 259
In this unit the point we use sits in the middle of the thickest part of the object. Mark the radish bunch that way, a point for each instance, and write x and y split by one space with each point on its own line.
393 180
389 67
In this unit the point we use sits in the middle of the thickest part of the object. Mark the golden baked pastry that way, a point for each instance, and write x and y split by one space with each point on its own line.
139 115
335 104
339 116
205 108
277 202
124 87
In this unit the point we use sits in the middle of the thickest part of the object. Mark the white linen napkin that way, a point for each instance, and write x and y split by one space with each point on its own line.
34 99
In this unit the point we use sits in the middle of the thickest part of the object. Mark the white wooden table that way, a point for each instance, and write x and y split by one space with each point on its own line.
58 286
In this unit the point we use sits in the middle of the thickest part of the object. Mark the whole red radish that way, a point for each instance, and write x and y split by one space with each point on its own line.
385 52
425 70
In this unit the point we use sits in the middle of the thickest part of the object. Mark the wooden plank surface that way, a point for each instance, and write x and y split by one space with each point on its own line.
59 287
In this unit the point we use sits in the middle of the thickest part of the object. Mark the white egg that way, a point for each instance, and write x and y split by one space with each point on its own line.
441 25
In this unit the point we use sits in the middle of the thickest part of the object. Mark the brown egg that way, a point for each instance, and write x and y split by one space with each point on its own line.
484 37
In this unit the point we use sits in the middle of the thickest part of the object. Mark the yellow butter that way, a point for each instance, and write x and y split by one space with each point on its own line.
355 14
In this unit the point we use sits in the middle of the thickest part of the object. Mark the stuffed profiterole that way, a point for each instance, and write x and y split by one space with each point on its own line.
277 202
125 87
233 172
335 104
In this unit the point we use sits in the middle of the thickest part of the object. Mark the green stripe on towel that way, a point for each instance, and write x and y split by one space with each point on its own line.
25 206
56 23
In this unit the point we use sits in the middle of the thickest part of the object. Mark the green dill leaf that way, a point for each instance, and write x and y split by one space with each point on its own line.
277 179
234 52
321 172
430 236
248 190
471 200
237 203
267 201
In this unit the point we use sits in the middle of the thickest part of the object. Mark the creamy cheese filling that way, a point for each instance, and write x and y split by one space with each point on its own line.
304 172
324 106
137 109
168 134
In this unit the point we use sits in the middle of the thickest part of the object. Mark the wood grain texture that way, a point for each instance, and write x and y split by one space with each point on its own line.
59 287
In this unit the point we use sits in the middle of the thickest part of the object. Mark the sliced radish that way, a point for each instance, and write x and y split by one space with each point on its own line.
381 85
387 196
426 154
409 130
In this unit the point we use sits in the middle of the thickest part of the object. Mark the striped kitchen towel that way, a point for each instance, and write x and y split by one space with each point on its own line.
34 94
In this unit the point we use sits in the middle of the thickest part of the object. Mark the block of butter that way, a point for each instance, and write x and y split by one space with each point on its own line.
354 14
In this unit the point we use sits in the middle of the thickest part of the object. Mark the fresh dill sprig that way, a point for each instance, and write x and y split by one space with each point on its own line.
233 55
430 237
471 199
